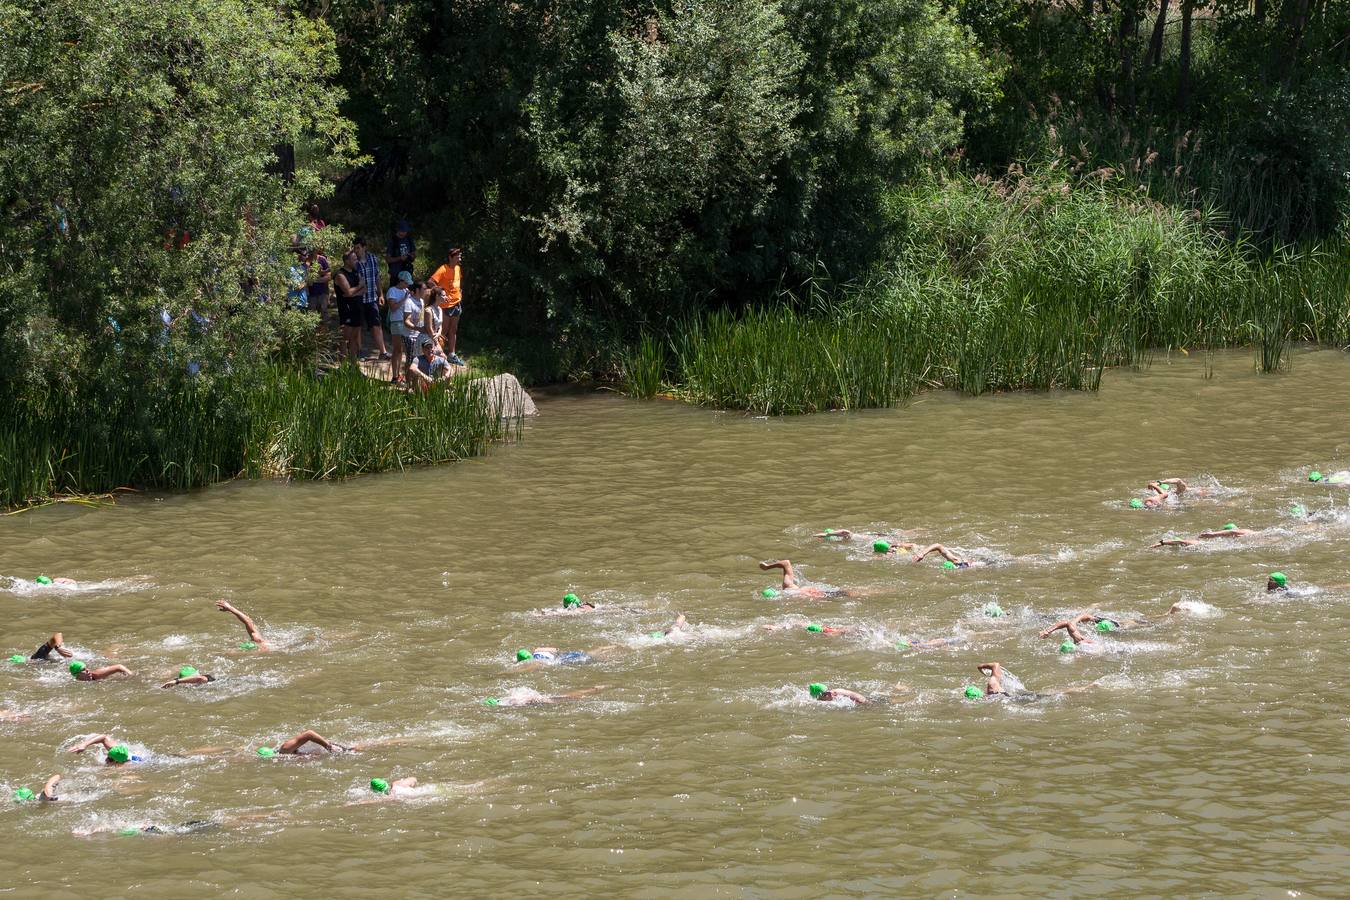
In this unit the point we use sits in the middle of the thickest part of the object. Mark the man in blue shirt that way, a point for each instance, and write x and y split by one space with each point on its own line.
369 267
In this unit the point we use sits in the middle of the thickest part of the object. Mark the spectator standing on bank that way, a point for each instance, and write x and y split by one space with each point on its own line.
398 331
401 251
447 281
369 267
320 276
351 292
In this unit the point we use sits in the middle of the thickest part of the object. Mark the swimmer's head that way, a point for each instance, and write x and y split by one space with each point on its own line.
119 753
523 654
23 795
1136 503
973 693
380 786
1067 647
880 547
16 659
571 601
186 672
129 831
992 610
1314 476
1106 625
492 701
43 579
1231 526
815 628
768 593
76 668
266 752
656 634
903 645
948 564
1277 581
816 689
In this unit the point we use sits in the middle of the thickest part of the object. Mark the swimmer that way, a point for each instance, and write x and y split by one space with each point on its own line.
957 562
1277 582
993 687
675 626
395 788
571 605
189 675
791 584
1228 531
1070 627
825 695
543 699
55 642
292 747
55 582
47 794
880 545
117 754
1342 477
83 673
254 635
1161 494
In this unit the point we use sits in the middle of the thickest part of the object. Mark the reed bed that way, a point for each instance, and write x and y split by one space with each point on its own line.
1026 283
277 424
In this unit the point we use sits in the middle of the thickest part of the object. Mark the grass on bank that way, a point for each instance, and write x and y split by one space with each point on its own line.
283 424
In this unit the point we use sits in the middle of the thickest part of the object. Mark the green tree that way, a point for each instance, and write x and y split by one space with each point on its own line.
139 177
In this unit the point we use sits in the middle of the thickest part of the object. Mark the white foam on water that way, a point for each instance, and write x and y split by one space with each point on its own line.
30 589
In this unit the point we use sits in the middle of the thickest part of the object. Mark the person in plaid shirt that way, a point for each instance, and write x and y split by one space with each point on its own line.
369 267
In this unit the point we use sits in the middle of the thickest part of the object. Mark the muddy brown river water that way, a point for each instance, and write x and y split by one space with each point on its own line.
1199 753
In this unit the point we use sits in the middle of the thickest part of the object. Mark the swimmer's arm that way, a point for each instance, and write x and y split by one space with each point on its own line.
49 789
940 550
1157 488
1225 533
1175 542
1177 483
842 533
199 678
253 633
1055 627
99 739
851 695
990 668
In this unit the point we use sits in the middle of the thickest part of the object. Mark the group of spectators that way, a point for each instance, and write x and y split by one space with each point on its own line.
420 315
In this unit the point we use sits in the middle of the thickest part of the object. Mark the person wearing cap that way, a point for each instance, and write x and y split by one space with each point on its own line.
393 788
571 604
429 366
399 288
351 291
794 586
371 300
1278 581
47 794
55 642
1162 491
83 673
117 754
1342 477
189 675
446 279
400 253
532 698
825 694
254 635
1228 531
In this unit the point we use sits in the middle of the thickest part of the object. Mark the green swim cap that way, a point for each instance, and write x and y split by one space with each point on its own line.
380 786
656 634
571 600
973 693
903 645
248 645
186 672
129 831
1314 476
492 701
119 753
816 689
76 667
522 655
1230 526
814 627
1279 578
992 610
1136 503
829 531
1067 647
948 564
43 579
1299 510
23 795
1106 625
266 752
16 658
768 593
880 547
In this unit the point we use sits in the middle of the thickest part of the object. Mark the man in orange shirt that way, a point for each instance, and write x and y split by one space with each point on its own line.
448 296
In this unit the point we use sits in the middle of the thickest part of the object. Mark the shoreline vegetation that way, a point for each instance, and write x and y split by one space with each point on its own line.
1029 282
277 423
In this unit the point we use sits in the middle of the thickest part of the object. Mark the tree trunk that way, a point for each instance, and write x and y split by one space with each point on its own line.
1129 26
1260 12
1184 72
1155 44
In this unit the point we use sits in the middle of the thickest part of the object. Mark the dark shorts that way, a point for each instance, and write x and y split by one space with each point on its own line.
349 311
370 312
451 312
